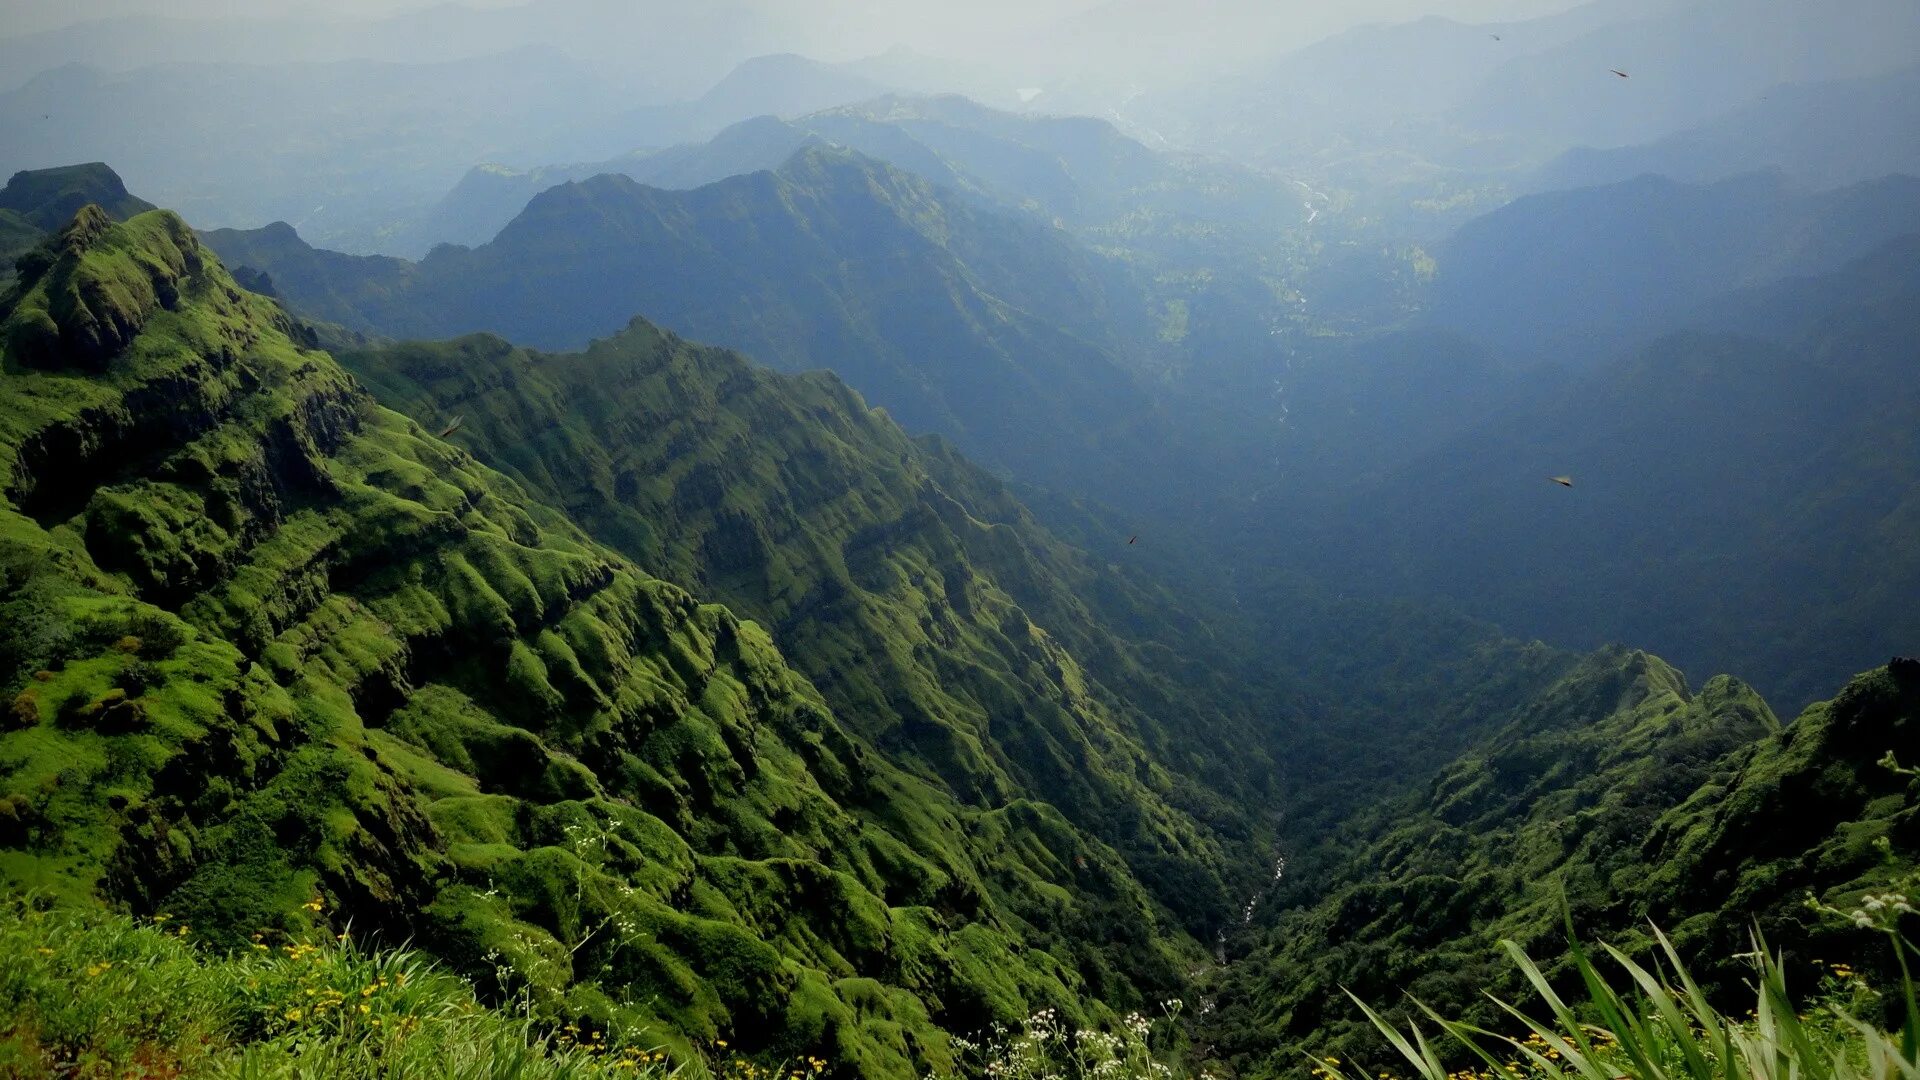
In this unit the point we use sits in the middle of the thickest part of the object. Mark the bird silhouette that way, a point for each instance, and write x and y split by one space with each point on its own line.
1131 539
453 427
1563 481
1618 72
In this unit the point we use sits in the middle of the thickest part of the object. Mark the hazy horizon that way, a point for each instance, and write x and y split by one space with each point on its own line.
839 30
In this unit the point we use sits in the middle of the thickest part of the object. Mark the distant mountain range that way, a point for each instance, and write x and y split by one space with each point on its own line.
396 137
1826 134
1742 490
1497 95
1565 278
986 326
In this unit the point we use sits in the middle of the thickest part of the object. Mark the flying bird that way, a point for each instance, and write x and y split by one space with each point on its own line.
453 427
1131 539
1618 72
1495 37
1563 481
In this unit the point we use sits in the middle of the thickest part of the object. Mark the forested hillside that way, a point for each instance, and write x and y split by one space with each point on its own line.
1264 542
1621 799
271 644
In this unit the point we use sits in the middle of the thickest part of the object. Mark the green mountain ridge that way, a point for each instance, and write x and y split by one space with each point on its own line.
38 202
928 605
984 327
269 640
1621 798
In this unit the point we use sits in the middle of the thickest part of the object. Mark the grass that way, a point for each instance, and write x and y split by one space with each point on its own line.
88 994
1657 1023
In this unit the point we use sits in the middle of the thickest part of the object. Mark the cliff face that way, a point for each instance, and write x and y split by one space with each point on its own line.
268 641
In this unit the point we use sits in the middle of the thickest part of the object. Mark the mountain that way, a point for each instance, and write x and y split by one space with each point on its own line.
328 284
1081 172
393 137
48 198
37 202
778 85
1820 135
990 328
1742 491
490 196
272 645
907 584
1569 277
1621 795
1687 63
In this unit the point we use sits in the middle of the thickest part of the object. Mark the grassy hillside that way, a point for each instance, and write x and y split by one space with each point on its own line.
36 202
1621 796
928 605
281 657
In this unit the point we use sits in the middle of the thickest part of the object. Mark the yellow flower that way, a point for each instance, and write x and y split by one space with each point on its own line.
294 1015
94 971
721 1043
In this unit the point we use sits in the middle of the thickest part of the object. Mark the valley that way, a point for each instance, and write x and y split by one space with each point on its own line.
776 567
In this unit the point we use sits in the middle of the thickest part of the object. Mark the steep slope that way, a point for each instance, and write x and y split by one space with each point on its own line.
1619 796
268 642
983 327
927 604
329 284
1571 277
36 202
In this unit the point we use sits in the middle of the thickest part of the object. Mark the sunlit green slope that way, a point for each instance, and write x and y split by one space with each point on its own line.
269 643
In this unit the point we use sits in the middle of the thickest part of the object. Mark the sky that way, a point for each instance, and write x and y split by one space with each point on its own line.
921 23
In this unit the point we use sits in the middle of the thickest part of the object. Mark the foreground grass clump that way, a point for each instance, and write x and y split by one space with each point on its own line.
87 994
1662 1026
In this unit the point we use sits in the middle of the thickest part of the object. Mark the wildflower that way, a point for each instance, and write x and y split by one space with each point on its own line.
95 970
294 1015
